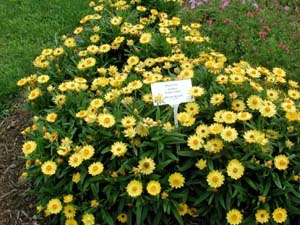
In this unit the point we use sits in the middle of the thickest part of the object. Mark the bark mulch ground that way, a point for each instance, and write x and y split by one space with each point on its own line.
16 207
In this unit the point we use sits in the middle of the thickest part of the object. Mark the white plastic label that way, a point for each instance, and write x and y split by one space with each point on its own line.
171 92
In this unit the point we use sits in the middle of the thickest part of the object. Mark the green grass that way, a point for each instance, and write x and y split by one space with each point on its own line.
27 27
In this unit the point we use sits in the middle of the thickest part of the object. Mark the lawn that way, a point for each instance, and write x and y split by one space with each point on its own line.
26 28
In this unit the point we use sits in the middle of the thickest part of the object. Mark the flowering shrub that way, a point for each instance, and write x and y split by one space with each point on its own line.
99 151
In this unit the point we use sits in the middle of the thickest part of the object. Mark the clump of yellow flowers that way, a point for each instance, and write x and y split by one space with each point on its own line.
100 152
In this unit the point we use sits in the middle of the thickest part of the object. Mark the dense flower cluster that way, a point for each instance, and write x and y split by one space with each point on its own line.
99 151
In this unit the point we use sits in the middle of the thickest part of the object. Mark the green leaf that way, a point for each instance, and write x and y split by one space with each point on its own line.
202 197
139 211
157 218
276 180
177 216
251 183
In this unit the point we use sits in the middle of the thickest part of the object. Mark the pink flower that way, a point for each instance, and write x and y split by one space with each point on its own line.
267 28
262 35
282 45
250 14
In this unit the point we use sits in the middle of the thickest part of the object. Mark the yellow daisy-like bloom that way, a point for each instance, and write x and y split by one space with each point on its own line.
267 109
70 42
278 71
122 218
153 187
51 117
68 198
58 51
201 164
176 180
134 188
87 152
76 177
43 79
69 211
235 169
192 108
238 105
229 134
22 82
104 48
216 128
186 119
118 149
71 222
254 102
75 160
97 103
281 162
116 21
214 145
182 209
54 206
29 147
217 99
128 121
49 168
294 94
88 219
106 120
262 216
195 142
186 74
145 38
229 117
196 91
35 93
279 215
244 116
234 217
202 131
146 166
133 60
96 168
215 179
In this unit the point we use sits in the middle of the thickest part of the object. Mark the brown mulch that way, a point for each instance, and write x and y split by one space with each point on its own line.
16 207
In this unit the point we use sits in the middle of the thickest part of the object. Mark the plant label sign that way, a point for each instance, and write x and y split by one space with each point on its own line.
171 92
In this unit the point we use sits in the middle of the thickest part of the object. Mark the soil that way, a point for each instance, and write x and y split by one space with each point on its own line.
16 206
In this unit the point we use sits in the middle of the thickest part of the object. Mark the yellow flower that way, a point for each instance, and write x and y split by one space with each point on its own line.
96 168
133 60
278 71
145 38
116 21
43 79
35 93
234 217
281 162
128 121
118 149
176 180
51 117
87 152
68 198
29 147
229 117
216 128
75 160
76 177
69 211
186 74
202 131
88 219
267 109
22 82
182 209
217 99
70 42
254 102
54 206
201 164
146 166
279 215
186 119
235 169
244 116
215 179
71 222
104 48
58 51
229 134
214 145
122 218
195 142
153 187
262 216
49 168
134 188
106 120
196 91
